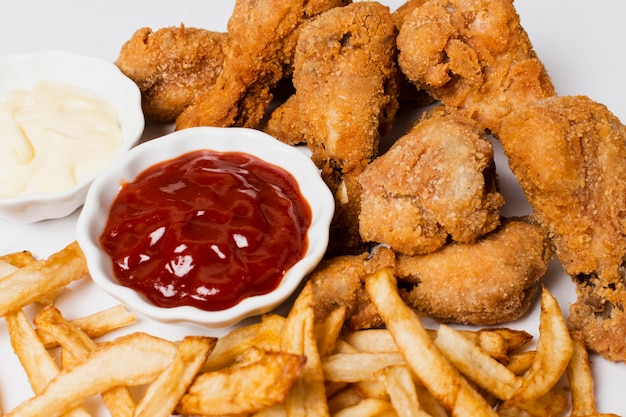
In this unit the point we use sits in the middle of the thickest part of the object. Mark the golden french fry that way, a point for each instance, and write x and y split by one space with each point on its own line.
475 364
581 382
307 397
368 407
274 411
417 347
18 259
554 350
31 282
360 366
164 393
243 389
345 398
327 332
551 404
372 340
78 344
402 392
7 268
264 335
131 360
96 324
520 363
40 367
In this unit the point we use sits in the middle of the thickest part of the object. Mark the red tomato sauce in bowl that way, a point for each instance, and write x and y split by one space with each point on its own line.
206 229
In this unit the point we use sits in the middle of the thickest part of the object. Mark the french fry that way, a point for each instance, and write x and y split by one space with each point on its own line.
368 407
96 324
78 344
554 350
243 389
164 393
132 360
307 397
402 392
477 365
372 340
40 367
437 374
18 259
35 280
327 332
360 366
264 335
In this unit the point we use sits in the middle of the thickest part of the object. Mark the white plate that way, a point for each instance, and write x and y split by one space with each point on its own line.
580 42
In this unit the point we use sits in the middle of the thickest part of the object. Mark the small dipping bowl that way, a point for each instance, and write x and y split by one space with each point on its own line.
25 71
105 188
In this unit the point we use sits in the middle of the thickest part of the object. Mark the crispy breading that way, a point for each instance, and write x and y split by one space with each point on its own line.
262 38
493 280
434 183
569 155
172 67
474 56
340 281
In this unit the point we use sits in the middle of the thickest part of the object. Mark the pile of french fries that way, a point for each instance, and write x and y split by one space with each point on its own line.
285 366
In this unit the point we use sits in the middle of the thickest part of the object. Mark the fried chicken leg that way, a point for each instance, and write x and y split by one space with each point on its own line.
474 56
569 155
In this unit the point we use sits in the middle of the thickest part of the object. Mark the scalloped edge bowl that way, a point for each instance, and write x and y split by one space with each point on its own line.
104 189
24 71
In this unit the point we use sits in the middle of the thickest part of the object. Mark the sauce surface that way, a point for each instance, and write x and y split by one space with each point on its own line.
206 229
53 136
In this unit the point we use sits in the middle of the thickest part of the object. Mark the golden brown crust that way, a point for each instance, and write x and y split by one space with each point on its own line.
436 182
569 155
451 285
172 67
262 38
474 56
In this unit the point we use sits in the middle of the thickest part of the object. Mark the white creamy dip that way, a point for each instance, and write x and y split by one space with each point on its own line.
53 136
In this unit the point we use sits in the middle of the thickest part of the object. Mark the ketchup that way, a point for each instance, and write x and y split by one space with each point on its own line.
206 229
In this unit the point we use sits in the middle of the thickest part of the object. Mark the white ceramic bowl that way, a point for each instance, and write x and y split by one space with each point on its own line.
105 188
24 71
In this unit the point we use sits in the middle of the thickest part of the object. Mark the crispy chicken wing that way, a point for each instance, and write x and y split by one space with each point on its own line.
436 182
450 284
474 56
172 67
262 37
569 155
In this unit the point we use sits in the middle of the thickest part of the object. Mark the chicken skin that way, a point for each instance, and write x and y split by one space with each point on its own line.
345 79
569 155
436 182
172 67
262 38
450 285
474 56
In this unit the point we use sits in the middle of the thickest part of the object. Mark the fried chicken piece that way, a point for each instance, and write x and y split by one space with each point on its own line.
345 79
172 67
262 37
345 82
474 56
569 156
434 183
450 285
340 281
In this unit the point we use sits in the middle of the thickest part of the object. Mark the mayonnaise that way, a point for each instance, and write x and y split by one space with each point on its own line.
53 136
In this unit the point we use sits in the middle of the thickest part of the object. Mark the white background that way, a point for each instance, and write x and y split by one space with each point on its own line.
580 42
